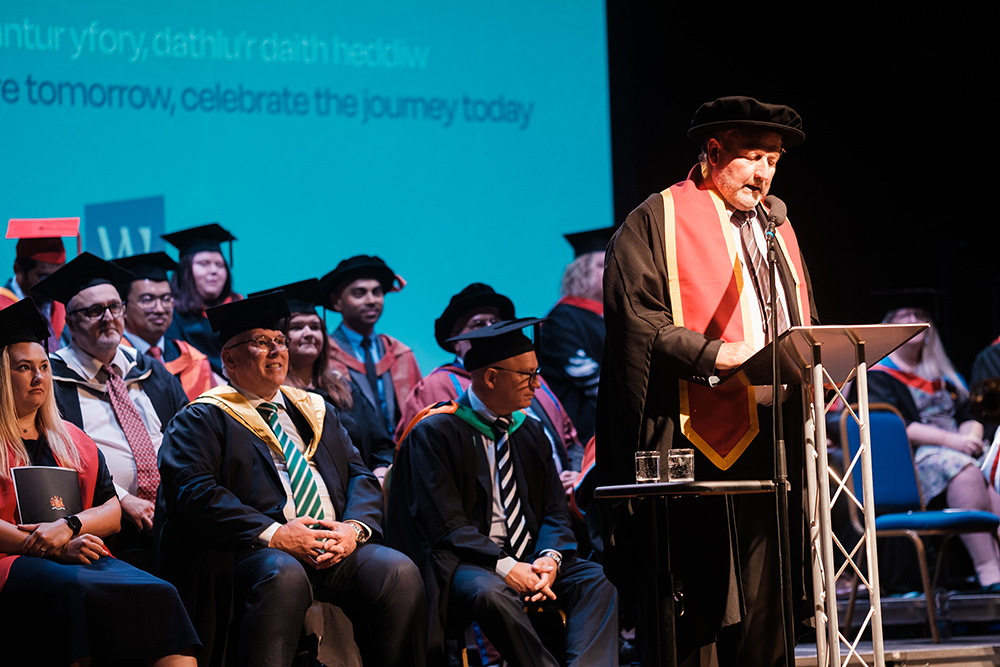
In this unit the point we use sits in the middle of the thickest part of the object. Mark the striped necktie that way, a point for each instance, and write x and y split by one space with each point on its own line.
304 489
517 530
760 274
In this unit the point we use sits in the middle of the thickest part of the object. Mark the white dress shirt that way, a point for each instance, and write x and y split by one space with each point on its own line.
757 340
99 421
292 433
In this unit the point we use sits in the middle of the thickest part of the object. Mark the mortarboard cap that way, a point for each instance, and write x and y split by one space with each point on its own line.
85 270
40 238
499 341
205 238
592 240
927 299
361 266
150 266
303 296
21 323
476 295
257 312
727 113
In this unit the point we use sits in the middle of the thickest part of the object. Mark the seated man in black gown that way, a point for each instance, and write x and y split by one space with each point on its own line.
265 496
476 502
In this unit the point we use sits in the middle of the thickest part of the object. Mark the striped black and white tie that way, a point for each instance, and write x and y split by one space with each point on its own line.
517 530
760 274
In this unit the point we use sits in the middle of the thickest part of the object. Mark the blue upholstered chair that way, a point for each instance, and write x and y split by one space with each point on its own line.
899 506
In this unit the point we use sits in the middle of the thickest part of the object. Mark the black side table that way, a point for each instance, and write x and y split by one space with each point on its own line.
665 646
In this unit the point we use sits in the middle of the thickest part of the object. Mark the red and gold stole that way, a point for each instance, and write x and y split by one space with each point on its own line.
707 294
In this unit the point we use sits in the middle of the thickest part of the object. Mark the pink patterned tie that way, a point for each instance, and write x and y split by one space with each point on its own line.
156 353
147 474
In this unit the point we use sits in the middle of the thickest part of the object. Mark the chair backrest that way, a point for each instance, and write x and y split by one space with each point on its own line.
894 477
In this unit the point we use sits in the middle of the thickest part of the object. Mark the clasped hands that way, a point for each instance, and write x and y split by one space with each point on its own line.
534 580
323 546
55 540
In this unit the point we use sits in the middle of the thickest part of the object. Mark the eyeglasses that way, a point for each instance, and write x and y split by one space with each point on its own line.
479 323
96 311
263 342
531 376
148 301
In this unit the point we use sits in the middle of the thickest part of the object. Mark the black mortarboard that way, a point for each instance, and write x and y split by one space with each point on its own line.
303 296
499 341
361 266
205 238
85 270
476 295
21 323
593 240
150 266
919 298
257 312
727 113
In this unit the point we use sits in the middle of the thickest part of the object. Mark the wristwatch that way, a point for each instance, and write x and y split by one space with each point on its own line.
554 555
359 531
74 523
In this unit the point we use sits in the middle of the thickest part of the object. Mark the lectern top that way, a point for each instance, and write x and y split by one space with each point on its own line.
839 348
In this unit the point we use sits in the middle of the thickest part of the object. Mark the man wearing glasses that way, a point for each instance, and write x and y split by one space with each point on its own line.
121 399
149 311
475 307
475 500
266 499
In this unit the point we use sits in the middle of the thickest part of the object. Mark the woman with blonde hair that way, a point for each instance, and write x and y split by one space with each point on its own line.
63 598
919 379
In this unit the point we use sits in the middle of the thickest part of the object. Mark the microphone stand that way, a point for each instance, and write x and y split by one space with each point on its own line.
780 461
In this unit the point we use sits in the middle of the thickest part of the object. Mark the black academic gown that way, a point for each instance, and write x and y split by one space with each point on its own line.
645 354
440 505
164 390
220 490
166 394
194 328
570 347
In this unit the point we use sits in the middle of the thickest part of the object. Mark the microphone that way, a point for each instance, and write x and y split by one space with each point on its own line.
776 210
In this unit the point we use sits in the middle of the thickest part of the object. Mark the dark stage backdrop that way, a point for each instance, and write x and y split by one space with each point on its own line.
456 140
887 192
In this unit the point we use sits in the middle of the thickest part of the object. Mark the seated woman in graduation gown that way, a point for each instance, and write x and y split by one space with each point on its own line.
202 280
63 598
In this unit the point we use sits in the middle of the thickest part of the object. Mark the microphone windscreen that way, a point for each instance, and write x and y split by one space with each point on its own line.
776 210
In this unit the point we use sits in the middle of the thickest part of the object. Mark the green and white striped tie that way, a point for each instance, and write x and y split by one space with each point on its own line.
304 489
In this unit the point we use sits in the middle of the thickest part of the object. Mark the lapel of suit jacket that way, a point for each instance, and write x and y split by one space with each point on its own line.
359 378
328 465
522 461
473 419
785 276
480 462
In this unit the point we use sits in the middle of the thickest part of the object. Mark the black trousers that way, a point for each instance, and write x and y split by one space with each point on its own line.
378 588
582 591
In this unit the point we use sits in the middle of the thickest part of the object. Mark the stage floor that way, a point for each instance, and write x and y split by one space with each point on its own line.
970 626
972 651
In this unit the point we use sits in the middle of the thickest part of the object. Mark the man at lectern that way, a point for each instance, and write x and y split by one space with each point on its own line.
687 298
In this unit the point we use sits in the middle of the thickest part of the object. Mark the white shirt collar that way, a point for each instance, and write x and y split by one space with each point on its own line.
140 344
256 400
88 367
481 408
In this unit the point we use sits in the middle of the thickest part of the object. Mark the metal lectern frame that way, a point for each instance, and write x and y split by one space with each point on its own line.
824 358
